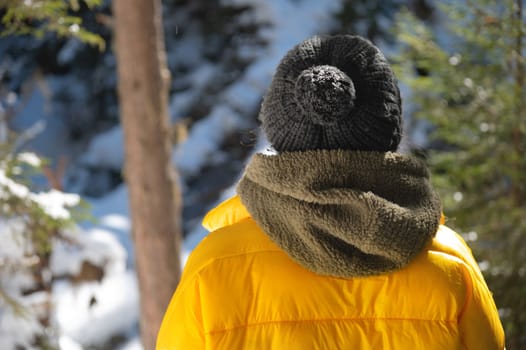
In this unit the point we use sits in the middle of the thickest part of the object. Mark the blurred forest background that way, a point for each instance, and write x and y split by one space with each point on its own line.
72 239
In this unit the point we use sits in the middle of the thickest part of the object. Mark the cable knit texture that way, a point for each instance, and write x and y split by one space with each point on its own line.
333 92
343 213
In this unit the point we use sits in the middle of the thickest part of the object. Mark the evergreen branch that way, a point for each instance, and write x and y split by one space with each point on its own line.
52 16
11 302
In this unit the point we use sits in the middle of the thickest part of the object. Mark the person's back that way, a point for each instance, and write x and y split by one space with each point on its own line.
335 241
241 291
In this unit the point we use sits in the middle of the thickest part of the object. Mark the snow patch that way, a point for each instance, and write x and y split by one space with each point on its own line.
92 313
204 140
106 150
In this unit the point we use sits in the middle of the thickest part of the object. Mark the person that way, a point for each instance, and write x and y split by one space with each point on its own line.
334 240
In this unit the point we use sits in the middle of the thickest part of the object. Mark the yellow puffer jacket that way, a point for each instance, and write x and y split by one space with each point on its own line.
241 291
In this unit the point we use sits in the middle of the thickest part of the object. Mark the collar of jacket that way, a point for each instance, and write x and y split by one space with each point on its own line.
343 213
227 213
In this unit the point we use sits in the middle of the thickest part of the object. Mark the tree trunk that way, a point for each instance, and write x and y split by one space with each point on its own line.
155 201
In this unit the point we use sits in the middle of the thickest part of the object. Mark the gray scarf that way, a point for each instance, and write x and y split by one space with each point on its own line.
343 213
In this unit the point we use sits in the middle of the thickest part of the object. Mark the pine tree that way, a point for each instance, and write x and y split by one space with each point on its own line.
31 221
33 218
469 84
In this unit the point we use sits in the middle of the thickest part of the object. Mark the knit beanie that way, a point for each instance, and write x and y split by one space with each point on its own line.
333 92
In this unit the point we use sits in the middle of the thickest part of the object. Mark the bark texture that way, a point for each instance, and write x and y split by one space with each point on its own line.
155 200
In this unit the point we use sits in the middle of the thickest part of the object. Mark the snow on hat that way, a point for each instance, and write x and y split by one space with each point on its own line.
333 92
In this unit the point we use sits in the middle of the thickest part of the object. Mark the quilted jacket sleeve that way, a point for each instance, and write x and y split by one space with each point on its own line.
479 323
182 324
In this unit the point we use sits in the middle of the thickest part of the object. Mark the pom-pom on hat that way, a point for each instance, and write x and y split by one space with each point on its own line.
333 92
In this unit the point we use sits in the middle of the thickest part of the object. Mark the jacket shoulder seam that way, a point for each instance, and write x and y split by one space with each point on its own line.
234 255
